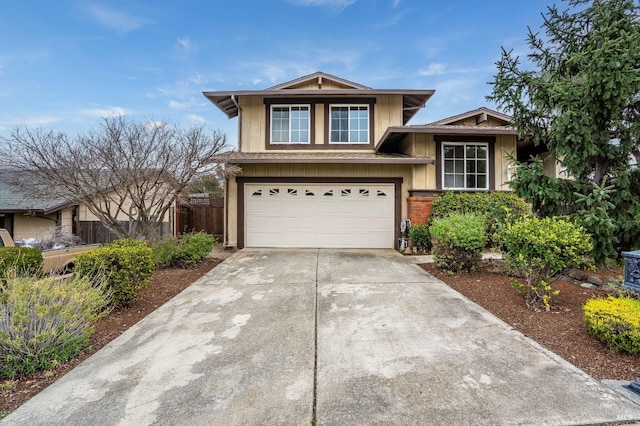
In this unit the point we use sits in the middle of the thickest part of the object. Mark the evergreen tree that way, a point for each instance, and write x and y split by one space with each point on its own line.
581 98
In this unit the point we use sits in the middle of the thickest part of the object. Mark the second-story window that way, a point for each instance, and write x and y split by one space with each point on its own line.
349 124
290 124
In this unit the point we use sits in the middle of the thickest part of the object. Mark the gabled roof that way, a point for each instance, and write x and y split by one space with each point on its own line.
320 77
412 99
481 114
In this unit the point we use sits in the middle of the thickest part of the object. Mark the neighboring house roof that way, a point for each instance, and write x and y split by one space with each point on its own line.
412 99
481 114
12 200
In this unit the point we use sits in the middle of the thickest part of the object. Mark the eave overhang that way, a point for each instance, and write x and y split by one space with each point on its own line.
324 158
412 100
394 135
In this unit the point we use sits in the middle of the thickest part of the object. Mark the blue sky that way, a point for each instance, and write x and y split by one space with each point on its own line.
66 63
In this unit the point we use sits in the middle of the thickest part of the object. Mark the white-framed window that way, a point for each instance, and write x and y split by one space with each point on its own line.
349 124
465 165
290 124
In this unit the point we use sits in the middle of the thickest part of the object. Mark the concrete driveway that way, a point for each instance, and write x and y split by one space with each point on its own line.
354 337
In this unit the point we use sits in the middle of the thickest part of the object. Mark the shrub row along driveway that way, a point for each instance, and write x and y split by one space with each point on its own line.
384 342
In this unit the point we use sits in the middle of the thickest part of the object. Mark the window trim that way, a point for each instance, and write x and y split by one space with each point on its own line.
289 106
319 141
348 105
489 141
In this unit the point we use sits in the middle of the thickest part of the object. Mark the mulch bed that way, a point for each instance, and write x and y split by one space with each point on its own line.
166 283
561 330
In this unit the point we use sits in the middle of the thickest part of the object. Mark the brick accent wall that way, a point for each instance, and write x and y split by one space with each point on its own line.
419 209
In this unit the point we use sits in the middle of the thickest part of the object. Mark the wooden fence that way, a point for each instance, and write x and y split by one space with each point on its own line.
201 213
94 232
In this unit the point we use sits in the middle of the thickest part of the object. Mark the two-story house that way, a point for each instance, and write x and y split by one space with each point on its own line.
329 163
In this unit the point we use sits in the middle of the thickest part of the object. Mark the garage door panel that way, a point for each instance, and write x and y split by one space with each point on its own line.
319 215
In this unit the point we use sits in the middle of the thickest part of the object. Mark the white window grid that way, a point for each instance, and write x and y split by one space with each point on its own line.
357 124
463 172
294 128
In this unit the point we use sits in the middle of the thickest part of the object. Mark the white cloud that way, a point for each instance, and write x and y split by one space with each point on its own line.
196 118
107 111
40 120
395 3
338 4
155 124
178 105
185 44
186 87
256 81
434 68
116 19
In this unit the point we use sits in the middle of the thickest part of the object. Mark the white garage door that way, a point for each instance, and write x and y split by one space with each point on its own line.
319 215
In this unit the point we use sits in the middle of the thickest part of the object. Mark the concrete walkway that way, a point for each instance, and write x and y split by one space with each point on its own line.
354 337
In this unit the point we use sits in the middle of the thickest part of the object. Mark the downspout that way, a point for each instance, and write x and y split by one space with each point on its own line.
235 102
226 212
226 179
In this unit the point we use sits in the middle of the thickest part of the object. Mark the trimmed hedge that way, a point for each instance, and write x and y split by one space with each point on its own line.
498 208
458 241
126 264
22 261
184 251
46 321
615 322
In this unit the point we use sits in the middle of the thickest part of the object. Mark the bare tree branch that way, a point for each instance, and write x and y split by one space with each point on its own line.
124 172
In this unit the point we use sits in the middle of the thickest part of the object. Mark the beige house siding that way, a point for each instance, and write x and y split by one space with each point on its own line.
315 171
85 215
67 220
505 147
551 167
424 145
387 111
471 121
40 227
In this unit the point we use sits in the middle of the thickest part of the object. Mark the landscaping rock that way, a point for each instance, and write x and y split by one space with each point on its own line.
595 280
578 274
587 285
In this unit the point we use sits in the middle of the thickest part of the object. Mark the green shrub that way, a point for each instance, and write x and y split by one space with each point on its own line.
21 261
615 322
458 241
539 249
184 251
46 321
420 237
498 208
127 265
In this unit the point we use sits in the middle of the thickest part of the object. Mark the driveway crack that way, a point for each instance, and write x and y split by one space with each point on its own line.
314 420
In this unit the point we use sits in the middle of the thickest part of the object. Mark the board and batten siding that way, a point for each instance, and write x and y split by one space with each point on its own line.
424 145
387 112
313 171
